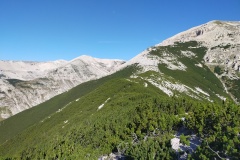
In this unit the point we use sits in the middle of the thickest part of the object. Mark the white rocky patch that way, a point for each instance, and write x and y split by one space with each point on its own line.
201 91
174 64
171 61
170 87
228 59
112 156
133 76
221 97
167 86
210 34
183 118
102 105
144 60
128 80
60 110
178 146
175 143
145 84
161 87
199 65
4 115
188 54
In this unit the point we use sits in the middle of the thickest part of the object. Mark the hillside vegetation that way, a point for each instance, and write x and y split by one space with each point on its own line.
129 113
125 116
16 124
196 74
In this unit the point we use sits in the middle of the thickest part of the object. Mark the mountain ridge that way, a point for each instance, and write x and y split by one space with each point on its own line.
26 84
220 39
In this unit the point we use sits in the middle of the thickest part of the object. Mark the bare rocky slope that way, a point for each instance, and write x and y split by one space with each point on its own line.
26 84
214 45
222 38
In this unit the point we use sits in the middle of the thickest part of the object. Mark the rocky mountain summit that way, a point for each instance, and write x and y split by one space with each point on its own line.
222 38
26 84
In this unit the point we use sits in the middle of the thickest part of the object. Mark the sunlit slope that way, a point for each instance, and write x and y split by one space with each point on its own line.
195 81
128 116
16 124
194 78
115 100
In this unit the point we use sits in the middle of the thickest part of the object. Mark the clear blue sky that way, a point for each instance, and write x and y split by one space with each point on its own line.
43 30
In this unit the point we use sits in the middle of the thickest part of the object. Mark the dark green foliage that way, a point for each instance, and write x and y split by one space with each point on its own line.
85 121
136 121
184 139
218 70
152 149
219 127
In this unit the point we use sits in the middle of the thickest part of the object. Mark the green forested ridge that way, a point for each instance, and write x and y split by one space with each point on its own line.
136 121
16 124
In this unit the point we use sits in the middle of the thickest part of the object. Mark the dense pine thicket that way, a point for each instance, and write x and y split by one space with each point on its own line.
136 121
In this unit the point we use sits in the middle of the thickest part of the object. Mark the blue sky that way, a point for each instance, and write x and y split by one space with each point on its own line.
44 30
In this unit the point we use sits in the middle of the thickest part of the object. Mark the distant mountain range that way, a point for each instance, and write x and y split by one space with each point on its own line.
26 84
161 104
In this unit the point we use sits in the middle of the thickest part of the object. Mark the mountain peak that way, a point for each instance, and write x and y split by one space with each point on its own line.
87 58
212 33
84 57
